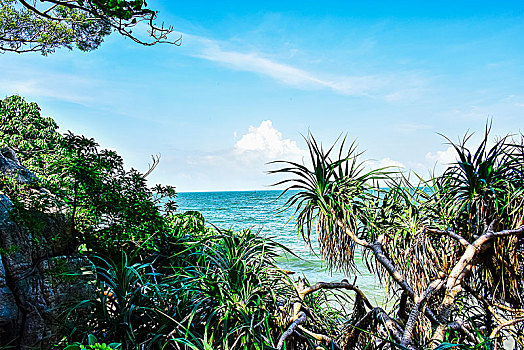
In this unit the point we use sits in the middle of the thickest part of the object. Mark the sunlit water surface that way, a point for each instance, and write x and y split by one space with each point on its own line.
260 211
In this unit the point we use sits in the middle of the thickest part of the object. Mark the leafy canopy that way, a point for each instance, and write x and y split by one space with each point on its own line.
42 26
108 203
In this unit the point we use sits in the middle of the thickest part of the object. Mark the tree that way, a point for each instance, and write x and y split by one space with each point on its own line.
449 248
108 202
163 279
44 25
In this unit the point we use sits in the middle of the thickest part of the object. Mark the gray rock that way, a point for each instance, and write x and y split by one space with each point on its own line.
40 272
10 166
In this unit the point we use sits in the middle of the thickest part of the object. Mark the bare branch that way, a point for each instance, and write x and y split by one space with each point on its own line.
69 4
381 257
504 325
152 166
419 304
491 234
451 234
35 10
364 323
321 337
388 265
460 270
352 235
334 285
300 320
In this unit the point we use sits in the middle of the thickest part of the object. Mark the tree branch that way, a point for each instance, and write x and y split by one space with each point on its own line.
458 326
390 268
415 311
301 319
378 252
35 10
334 285
321 338
504 325
457 274
449 233
364 323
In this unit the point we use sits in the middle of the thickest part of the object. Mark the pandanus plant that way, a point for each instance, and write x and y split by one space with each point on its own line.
446 247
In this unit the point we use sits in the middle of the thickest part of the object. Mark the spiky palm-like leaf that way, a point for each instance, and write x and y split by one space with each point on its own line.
332 196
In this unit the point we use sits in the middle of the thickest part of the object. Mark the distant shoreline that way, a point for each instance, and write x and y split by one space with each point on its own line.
232 191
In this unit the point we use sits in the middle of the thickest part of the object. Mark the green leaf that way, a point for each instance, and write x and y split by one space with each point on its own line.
91 339
72 347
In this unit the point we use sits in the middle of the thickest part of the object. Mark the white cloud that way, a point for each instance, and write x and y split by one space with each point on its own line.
243 166
267 142
446 157
284 73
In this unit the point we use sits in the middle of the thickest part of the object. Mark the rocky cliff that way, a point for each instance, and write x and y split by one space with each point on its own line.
40 272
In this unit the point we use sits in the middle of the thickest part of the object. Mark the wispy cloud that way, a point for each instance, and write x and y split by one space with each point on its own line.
60 86
445 158
258 63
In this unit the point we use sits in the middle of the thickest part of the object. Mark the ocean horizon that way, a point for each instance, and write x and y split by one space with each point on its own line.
262 211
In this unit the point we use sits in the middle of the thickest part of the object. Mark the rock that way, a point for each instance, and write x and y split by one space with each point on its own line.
40 272
10 166
8 307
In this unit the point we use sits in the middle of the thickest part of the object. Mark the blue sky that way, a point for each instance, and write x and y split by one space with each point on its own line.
251 77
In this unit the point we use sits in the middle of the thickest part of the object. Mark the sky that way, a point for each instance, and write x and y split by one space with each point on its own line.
252 78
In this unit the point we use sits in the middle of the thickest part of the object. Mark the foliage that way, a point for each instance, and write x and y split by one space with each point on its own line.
107 202
164 279
43 26
452 241
449 250
34 138
93 344
328 191
227 294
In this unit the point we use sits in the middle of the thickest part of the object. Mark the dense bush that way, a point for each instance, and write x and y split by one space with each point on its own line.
448 249
108 203
164 279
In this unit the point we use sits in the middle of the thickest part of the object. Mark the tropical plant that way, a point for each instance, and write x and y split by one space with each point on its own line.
128 308
163 279
447 247
107 202
92 344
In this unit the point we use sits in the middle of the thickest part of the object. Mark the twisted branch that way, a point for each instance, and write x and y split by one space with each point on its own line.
300 320
461 269
334 285
419 304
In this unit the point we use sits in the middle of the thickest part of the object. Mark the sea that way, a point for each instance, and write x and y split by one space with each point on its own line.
262 211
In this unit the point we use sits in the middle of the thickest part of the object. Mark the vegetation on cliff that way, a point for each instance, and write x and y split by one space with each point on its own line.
163 279
448 250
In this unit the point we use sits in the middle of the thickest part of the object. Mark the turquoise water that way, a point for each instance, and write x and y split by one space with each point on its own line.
260 211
